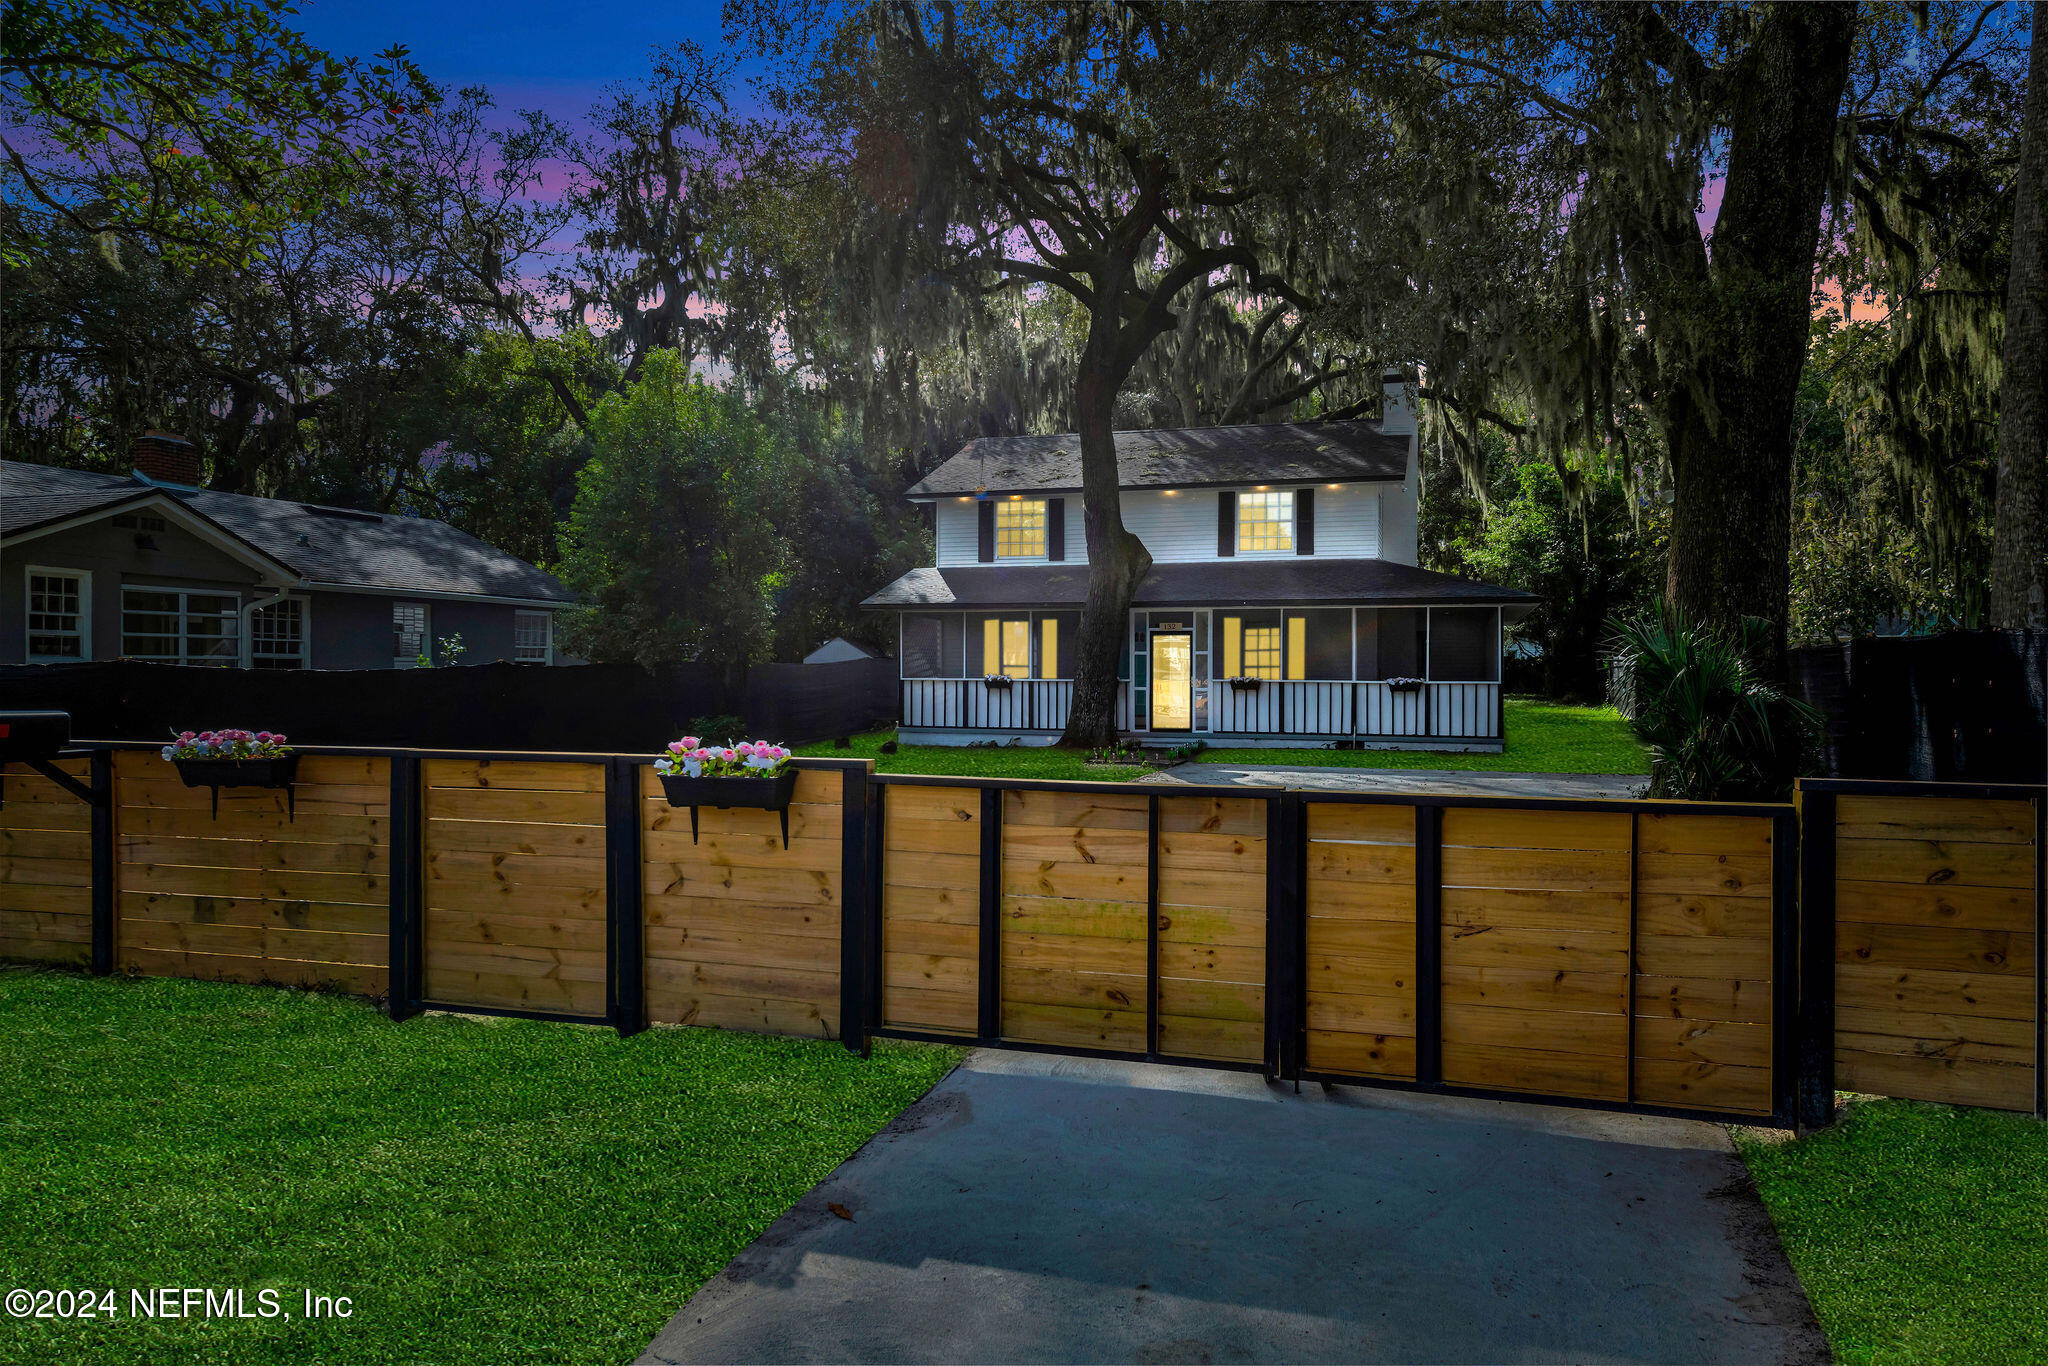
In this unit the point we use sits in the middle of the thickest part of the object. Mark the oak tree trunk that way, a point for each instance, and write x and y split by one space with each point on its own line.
2019 545
1117 560
1731 442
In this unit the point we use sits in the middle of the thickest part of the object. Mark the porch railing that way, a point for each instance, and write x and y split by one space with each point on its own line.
1337 709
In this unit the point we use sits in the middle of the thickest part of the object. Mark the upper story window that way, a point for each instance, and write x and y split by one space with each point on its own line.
59 615
1020 529
1265 521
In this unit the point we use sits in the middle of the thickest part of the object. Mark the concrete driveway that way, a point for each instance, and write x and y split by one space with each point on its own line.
1038 1209
1403 781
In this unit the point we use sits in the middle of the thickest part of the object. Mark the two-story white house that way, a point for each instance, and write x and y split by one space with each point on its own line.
1284 606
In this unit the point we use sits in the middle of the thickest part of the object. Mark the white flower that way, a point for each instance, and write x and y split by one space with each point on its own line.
168 750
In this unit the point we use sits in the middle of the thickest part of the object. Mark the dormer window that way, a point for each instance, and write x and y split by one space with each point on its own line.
1020 529
1265 522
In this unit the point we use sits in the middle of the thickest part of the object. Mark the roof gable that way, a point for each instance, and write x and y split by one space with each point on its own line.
1189 457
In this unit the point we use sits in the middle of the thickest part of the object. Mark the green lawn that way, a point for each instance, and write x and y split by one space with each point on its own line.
1016 761
1543 737
1920 1231
486 1191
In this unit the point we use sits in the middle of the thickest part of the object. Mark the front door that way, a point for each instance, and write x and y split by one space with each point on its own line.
1173 681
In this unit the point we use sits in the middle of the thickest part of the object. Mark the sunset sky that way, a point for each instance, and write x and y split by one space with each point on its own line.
557 55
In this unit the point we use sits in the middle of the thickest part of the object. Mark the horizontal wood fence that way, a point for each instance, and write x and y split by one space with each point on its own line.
1654 956
1925 925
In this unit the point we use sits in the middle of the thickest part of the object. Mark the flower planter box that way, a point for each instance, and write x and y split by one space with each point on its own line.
1245 684
755 794
997 683
219 773
1405 684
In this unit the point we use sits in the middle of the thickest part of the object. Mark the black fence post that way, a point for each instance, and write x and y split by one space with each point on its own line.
1816 1014
1429 945
407 985
858 815
625 956
102 778
1152 928
989 979
1785 859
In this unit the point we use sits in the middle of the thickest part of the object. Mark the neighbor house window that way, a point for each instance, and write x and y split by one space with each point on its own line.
59 614
277 635
1006 647
533 637
179 626
1265 521
408 633
1020 529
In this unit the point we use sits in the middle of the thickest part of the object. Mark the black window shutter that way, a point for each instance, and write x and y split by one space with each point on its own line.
1055 528
987 552
1305 521
1226 524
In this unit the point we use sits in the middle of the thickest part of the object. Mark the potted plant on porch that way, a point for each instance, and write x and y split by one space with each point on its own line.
234 758
751 774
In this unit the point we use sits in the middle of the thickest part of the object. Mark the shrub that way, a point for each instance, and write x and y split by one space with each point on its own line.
1716 727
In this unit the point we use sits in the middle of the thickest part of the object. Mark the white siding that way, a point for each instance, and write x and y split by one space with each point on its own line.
1181 526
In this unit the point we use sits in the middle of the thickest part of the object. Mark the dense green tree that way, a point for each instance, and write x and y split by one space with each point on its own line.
673 543
1586 556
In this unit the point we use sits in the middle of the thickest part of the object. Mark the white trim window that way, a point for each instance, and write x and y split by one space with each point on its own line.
278 635
59 616
181 625
409 639
1020 529
533 637
1265 523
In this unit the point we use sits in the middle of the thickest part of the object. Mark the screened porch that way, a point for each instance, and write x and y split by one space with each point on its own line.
1419 675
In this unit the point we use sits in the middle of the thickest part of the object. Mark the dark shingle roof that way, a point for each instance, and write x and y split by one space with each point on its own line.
326 546
1273 453
1202 583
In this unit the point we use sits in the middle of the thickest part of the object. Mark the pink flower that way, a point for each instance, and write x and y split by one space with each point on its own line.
689 742
677 746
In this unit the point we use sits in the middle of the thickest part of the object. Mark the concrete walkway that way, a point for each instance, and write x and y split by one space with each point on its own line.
1036 1209
1404 780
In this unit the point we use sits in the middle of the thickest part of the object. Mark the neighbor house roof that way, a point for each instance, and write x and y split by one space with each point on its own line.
324 547
1191 457
1201 583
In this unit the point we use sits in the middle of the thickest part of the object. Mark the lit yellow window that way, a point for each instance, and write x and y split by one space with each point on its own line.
1049 648
1006 647
1262 652
1297 647
1020 529
1265 521
1233 647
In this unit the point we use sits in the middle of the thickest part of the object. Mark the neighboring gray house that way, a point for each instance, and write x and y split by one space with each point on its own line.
97 566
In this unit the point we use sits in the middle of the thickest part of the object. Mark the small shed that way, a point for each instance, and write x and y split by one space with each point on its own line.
839 650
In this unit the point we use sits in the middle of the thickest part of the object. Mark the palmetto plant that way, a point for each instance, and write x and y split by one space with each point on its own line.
1716 727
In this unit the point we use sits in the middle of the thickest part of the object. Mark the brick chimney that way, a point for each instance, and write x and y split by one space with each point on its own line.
167 459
